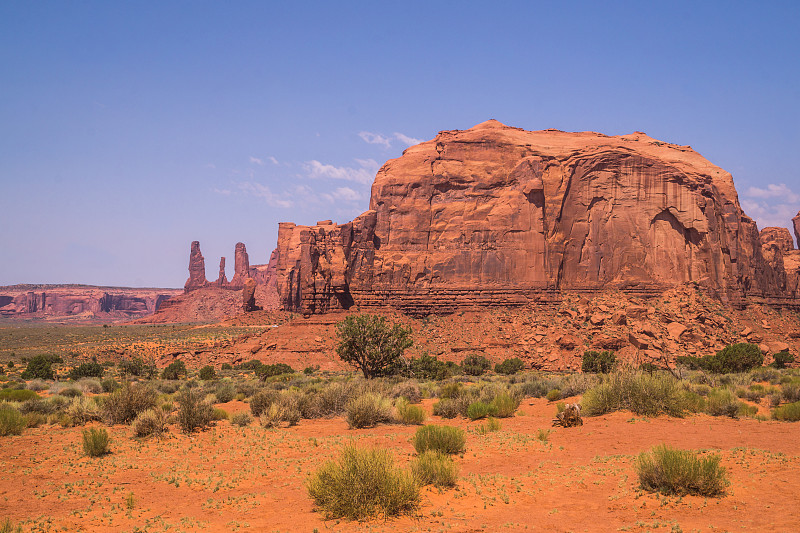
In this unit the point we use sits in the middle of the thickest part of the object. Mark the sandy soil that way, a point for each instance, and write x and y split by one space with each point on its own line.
236 479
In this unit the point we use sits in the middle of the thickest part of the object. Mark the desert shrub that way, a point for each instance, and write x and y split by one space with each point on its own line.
193 413
781 359
109 385
735 358
70 392
82 410
368 410
225 392
226 366
475 365
478 410
175 370
430 367
218 414
445 439
535 388
37 385
671 471
363 483
451 390
267 371
277 413
449 408
241 419
407 389
261 401
791 392
775 399
643 394
95 442
409 414
207 373
252 365
86 370
510 366
34 420
787 413
598 362
492 425
503 405
137 366
124 404
722 402
152 422
435 468
370 344
168 387
767 373
554 395
17 395
576 384
11 421
90 386
37 405
331 400
39 367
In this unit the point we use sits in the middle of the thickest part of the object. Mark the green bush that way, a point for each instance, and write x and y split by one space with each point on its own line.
722 402
241 419
193 413
11 421
478 410
598 362
70 392
451 407
509 366
268 371
670 471
18 395
109 385
451 390
152 422
207 373
503 405
732 359
363 483
261 401
781 359
407 389
446 439
95 442
492 425
86 370
787 413
226 366
175 370
430 367
475 365
124 404
278 412
643 394
791 391
225 392
368 410
409 414
554 395
137 366
370 344
435 468
39 367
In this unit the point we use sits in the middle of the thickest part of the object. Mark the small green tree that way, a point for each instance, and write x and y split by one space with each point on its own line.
39 367
371 344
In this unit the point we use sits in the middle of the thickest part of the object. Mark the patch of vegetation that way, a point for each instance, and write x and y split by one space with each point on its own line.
368 410
432 368
407 389
86 370
11 421
643 394
193 413
363 483
268 371
369 343
435 468
722 402
787 413
781 359
152 422
17 395
39 367
409 414
175 370
95 442
670 471
598 362
137 366
261 401
478 410
492 425
510 366
475 365
241 419
553 395
124 404
445 439
735 358
225 392
207 373
503 405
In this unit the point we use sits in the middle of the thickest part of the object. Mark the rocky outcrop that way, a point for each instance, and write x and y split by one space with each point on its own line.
222 279
499 216
197 269
249 296
55 302
241 267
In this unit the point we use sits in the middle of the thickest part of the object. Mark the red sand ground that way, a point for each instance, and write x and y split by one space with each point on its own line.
237 479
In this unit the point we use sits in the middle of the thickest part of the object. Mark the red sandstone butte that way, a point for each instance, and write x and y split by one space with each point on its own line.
500 216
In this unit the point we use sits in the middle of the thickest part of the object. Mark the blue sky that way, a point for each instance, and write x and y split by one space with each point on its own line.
129 129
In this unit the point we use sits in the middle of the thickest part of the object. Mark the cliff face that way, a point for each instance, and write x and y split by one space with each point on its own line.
496 215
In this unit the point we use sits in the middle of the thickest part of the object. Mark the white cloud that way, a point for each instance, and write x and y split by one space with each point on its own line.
374 138
256 160
262 191
223 192
342 194
409 141
365 174
773 190
273 160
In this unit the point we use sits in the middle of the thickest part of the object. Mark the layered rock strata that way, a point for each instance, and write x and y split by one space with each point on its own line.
499 216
